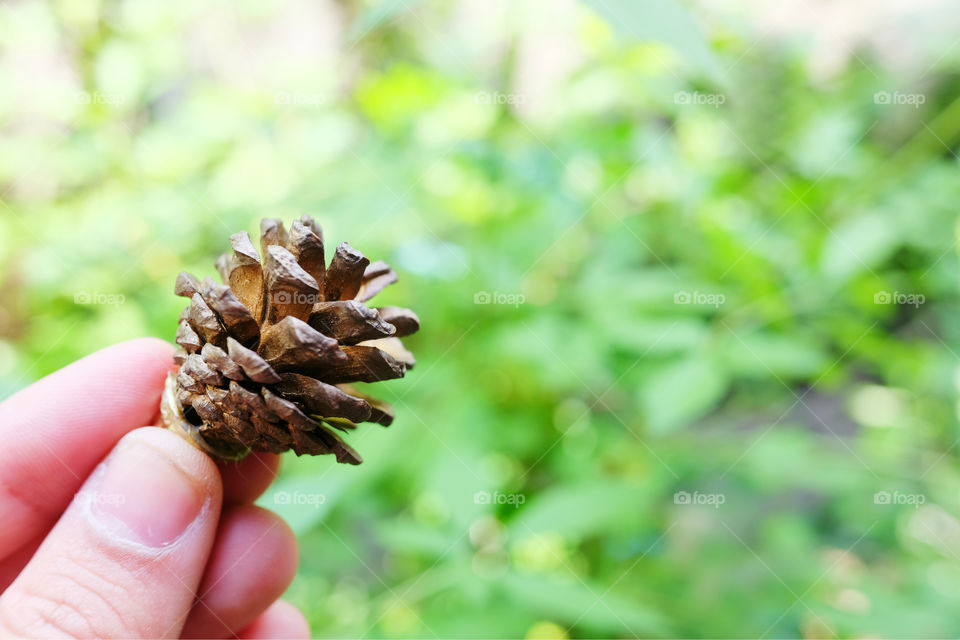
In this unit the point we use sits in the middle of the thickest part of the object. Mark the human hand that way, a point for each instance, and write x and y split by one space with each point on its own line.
152 540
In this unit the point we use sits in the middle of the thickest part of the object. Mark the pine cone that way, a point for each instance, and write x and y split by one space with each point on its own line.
267 358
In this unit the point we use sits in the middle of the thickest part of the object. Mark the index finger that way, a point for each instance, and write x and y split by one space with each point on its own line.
55 431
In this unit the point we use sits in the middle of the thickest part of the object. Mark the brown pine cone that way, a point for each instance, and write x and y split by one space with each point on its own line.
267 358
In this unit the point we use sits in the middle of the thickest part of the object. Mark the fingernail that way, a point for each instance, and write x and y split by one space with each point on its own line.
145 497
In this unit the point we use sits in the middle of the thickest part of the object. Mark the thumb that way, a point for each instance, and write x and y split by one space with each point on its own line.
126 557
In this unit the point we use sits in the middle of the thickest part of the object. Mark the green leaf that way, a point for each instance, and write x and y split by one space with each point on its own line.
598 507
376 16
682 391
581 603
665 21
858 245
760 354
413 536
650 336
297 499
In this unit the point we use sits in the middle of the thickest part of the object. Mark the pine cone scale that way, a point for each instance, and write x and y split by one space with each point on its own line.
345 275
204 321
349 321
233 315
245 274
404 321
322 399
365 364
377 277
307 247
252 365
293 345
218 359
291 291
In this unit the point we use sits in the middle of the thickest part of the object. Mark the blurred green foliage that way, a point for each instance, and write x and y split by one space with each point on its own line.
709 270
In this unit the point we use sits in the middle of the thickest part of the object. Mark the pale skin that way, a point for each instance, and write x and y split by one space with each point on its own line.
112 529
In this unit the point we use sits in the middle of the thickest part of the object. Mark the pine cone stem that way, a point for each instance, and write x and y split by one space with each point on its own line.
172 418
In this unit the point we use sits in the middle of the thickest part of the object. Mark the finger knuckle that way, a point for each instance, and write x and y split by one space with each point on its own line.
73 601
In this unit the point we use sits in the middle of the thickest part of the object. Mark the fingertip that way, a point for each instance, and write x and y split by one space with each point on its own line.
252 529
246 480
127 556
57 430
139 360
150 347
153 487
280 620
254 560
126 374
194 463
